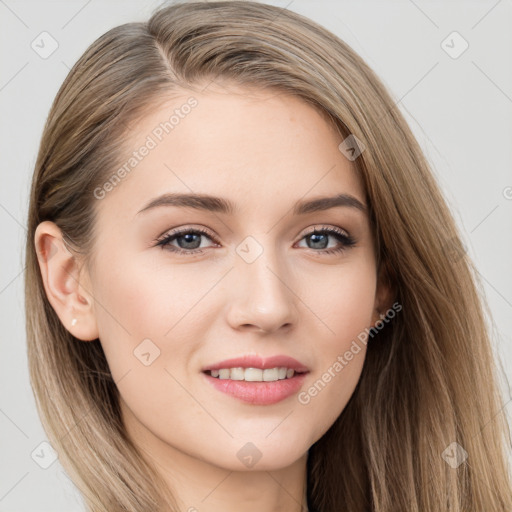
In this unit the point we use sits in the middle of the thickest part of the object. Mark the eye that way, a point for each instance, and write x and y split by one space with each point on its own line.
188 240
319 239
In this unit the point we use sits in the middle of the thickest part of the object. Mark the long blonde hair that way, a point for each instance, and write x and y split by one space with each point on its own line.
429 378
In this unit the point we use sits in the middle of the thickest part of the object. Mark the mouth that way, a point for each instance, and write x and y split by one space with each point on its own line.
257 381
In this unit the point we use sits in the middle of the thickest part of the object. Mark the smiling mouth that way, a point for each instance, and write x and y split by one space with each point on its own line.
254 374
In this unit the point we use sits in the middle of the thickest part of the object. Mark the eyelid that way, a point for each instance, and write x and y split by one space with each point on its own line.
323 227
186 229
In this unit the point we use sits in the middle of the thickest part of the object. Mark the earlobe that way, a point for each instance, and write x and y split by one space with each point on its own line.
382 301
61 279
384 295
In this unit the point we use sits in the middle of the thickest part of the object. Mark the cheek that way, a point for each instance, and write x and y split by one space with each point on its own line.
137 301
345 308
343 302
148 330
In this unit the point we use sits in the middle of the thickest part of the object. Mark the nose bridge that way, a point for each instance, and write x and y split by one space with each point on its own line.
263 295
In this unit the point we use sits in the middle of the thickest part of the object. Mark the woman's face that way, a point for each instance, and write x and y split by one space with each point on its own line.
254 282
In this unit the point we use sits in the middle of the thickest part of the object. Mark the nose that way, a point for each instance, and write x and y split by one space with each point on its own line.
263 297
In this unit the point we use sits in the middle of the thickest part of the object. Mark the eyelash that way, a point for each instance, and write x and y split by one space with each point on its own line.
347 241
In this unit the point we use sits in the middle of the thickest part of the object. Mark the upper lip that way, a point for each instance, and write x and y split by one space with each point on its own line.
252 361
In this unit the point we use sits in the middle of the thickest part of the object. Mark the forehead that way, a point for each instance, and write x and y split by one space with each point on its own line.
256 147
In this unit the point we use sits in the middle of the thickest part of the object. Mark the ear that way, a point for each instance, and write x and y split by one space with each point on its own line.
67 288
385 292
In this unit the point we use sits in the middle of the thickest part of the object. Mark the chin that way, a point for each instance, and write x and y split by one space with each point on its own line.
267 455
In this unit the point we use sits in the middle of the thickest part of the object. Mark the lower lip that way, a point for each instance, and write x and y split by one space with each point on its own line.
259 393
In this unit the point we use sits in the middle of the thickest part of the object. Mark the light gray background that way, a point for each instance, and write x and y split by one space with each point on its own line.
460 110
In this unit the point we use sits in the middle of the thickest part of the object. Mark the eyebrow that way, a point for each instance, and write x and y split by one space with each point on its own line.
222 205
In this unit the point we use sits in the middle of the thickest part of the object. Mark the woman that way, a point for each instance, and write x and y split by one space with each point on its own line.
244 288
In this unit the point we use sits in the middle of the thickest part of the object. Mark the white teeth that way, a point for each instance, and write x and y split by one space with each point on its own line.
271 374
254 374
224 373
237 374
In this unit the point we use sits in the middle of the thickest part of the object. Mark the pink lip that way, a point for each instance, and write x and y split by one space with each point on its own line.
258 393
251 361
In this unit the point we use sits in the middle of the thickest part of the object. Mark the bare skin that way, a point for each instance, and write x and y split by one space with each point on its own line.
263 152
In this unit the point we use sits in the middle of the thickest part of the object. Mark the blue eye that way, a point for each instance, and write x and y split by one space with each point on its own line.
320 240
189 240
